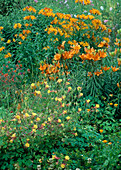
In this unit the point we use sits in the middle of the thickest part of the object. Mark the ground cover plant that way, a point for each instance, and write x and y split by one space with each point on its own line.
60 79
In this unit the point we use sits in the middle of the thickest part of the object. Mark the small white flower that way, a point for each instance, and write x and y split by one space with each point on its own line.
102 8
111 8
89 160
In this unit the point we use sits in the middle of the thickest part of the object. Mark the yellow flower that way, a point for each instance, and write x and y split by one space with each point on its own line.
111 95
34 114
115 105
37 92
59 99
97 105
79 109
14 135
11 141
101 130
63 105
63 97
49 119
65 111
56 98
34 130
110 104
33 86
80 94
74 128
27 115
48 91
35 126
40 160
15 26
59 120
59 81
43 124
17 117
79 88
19 25
110 143
27 145
20 42
62 124
38 119
32 17
68 118
8 41
62 165
47 86
14 40
76 134
1 120
67 158
69 88
104 141
67 83
88 101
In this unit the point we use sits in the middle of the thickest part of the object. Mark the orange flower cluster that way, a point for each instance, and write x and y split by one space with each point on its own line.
17 25
26 31
103 44
65 25
119 61
49 68
105 68
94 11
47 12
67 54
30 9
114 69
32 17
22 36
98 24
1 28
84 2
91 54
26 25
8 55
118 42
2 48
97 73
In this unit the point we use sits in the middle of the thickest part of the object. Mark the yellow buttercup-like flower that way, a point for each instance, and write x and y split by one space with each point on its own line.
27 145
62 165
67 158
14 135
59 120
68 117
27 115
97 106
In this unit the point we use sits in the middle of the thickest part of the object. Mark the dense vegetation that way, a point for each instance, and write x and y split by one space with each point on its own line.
60 84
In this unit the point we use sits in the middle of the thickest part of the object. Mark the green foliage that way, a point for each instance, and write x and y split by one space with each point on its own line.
6 7
58 113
